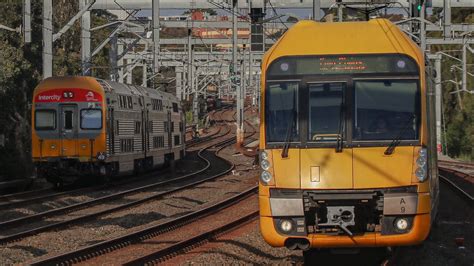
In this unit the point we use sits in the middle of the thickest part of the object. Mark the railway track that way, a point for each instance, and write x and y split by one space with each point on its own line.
458 182
175 184
16 183
42 195
14 197
457 163
121 249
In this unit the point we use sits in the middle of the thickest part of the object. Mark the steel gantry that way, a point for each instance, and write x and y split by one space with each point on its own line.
231 57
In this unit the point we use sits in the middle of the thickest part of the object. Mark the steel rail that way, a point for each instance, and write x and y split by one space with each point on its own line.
468 197
185 245
14 196
107 246
466 164
201 140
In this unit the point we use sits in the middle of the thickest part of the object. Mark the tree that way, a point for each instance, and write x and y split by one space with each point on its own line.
21 68
21 71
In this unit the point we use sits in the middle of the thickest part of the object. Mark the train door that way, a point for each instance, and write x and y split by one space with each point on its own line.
326 163
144 128
111 131
170 131
68 124
148 128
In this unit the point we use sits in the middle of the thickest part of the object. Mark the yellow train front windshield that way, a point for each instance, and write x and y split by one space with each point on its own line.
363 100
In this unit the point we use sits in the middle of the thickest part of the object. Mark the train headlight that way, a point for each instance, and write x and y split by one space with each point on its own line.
421 173
286 225
423 152
421 162
265 177
264 155
53 146
265 164
401 224
101 156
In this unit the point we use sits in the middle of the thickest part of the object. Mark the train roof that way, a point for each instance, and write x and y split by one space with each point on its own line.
126 89
101 86
377 36
68 82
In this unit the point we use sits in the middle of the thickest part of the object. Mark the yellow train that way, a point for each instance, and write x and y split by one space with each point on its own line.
346 138
83 127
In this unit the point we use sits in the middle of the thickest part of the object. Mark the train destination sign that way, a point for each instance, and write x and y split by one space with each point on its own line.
68 95
342 64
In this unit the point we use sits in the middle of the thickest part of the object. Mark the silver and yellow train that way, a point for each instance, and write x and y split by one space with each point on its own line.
87 127
347 138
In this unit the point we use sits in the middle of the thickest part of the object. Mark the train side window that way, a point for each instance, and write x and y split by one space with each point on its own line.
175 107
159 142
137 127
68 119
91 119
45 119
121 101
130 102
157 104
126 145
150 126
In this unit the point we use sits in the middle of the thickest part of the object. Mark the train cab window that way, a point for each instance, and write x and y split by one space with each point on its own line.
282 111
68 119
326 105
91 119
45 119
386 109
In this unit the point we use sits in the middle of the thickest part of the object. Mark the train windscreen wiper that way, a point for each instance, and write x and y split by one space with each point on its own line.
396 141
290 128
340 141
